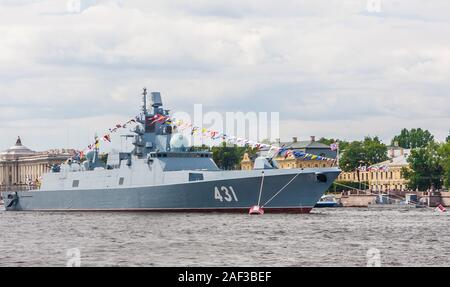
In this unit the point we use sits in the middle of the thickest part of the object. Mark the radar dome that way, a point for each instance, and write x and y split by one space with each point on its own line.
179 142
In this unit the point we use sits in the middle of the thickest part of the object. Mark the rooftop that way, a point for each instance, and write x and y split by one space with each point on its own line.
398 160
17 150
311 143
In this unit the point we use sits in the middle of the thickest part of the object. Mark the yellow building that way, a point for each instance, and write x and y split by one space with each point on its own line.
21 166
384 176
310 146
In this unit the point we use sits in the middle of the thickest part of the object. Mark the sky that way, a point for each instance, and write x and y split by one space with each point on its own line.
333 68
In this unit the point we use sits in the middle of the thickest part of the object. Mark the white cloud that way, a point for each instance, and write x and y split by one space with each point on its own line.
325 65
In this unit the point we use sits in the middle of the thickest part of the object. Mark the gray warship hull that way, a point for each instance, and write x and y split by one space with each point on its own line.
293 190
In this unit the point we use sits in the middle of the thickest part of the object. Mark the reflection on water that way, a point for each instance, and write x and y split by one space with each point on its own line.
326 237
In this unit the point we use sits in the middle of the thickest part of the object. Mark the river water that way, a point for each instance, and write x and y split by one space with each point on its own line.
326 237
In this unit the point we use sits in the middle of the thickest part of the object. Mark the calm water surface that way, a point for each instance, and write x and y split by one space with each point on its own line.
326 237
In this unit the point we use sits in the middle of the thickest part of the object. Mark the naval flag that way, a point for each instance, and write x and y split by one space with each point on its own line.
334 146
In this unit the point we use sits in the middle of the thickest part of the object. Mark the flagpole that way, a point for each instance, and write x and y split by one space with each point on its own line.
337 155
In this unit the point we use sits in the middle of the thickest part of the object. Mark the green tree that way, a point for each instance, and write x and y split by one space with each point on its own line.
425 168
326 141
448 138
227 157
230 157
351 156
363 153
375 151
414 138
444 154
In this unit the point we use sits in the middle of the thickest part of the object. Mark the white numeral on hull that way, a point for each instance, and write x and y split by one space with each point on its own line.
226 193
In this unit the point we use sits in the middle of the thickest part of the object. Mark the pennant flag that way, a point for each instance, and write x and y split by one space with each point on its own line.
158 118
194 129
288 153
213 134
334 146
107 138
299 154
218 136
282 150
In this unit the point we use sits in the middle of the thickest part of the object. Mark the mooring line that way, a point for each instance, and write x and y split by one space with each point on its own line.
281 189
261 188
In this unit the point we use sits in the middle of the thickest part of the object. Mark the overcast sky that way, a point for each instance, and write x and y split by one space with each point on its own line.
338 68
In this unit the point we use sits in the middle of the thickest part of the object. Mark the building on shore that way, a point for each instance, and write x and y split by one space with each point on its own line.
383 176
21 166
310 146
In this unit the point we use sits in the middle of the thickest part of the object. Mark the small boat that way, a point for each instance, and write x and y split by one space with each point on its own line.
328 200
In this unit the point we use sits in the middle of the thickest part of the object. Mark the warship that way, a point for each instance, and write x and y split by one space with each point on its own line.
163 173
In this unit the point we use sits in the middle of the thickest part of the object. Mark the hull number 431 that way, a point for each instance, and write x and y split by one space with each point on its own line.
225 193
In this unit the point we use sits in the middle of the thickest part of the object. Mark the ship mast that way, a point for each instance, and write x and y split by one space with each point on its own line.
144 99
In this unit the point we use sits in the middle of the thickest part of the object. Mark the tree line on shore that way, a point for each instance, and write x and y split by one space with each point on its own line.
429 161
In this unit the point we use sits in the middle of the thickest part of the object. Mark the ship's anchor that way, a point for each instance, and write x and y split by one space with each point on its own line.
15 199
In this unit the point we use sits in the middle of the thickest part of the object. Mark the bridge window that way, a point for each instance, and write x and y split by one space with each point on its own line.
195 176
75 183
121 180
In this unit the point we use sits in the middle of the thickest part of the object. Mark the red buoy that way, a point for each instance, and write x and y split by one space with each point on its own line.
256 210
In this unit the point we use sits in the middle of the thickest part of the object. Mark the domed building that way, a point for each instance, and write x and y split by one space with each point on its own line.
16 151
21 166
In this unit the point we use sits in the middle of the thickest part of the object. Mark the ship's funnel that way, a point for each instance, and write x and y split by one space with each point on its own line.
156 99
